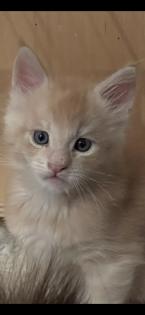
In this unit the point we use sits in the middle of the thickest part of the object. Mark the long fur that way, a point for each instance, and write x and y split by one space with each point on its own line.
97 206
24 280
55 286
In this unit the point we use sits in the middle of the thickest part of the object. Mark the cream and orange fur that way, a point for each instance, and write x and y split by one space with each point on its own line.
93 206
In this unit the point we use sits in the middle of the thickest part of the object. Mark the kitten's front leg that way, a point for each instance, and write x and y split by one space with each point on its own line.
108 282
110 270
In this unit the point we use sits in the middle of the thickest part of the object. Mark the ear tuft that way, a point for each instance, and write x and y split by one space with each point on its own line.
119 89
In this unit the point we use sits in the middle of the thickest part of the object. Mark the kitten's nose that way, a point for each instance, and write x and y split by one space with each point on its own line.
57 168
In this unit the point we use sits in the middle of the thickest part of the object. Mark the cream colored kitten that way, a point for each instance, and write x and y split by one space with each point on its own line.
70 183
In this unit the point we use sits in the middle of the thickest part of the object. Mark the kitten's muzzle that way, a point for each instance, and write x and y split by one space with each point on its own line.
56 169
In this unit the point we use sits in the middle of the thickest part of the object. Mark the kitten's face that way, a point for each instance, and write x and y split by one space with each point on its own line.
59 137
64 137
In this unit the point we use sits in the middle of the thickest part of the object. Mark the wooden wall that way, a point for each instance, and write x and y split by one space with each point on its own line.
87 44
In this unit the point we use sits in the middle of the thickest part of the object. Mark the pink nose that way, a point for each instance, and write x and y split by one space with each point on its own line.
56 168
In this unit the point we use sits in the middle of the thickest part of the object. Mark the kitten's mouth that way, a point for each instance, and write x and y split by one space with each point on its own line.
55 183
53 179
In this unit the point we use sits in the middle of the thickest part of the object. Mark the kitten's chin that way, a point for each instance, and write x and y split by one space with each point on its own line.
54 185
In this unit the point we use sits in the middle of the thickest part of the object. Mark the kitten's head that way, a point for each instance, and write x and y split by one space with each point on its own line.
62 136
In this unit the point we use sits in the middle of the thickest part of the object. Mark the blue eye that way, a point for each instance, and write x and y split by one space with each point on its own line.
83 145
41 137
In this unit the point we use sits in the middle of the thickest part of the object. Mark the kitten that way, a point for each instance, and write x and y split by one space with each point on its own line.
71 184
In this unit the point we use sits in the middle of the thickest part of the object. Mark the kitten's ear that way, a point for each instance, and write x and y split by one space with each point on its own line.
118 90
27 71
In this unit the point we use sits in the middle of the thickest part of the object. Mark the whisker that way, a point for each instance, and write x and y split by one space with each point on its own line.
79 191
106 192
76 188
95 199
88 178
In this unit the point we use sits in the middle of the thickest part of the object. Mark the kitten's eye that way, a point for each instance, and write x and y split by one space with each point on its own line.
83 145
41 137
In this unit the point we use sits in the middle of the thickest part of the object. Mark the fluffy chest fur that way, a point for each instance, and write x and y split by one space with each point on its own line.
61 220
